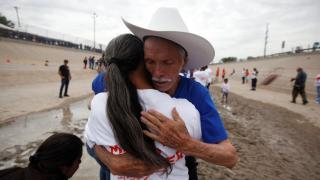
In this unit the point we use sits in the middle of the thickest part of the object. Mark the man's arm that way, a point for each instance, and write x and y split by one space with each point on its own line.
174 134
125 164
59 72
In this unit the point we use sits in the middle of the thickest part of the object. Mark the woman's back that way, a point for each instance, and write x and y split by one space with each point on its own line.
99 130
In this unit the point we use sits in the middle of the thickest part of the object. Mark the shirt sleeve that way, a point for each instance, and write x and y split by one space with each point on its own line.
212 128
98 85
98 128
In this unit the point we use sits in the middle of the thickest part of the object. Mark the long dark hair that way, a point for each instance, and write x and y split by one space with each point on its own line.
61 149
123 55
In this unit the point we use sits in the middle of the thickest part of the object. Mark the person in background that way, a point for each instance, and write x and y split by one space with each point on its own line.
101 65
225 91
247 75
90 61
65 76
299 86
85 62
209 71
57 158
254 79
318 89
217 74
98 84
223 74
233 72
243 75
202 76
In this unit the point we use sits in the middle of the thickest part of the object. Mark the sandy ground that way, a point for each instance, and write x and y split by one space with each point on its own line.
274 138
272 141
282 99
28 86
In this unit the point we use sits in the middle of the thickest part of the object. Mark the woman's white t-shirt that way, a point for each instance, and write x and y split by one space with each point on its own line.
98 129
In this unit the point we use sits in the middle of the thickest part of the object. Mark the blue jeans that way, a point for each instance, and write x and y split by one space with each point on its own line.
318 95
65 84
104 171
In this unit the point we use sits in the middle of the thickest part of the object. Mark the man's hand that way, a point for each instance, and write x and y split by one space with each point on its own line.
170 132
174 134
125 164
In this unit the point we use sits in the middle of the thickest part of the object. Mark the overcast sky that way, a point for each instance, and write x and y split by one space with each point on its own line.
234 27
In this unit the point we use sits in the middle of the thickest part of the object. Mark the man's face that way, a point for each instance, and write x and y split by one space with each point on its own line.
164 60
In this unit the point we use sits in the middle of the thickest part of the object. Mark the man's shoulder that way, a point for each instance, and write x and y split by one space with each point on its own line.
192 84
98 83
190 88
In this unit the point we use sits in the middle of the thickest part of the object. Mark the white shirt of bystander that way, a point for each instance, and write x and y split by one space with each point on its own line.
202 77
225 87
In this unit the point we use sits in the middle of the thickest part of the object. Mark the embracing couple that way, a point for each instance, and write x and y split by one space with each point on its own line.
153 123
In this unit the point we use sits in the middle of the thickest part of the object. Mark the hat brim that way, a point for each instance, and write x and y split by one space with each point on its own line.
200 51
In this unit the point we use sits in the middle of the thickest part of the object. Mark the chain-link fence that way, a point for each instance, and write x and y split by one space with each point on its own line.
29 32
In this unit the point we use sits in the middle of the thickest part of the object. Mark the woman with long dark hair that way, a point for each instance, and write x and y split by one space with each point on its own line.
57 158
114 120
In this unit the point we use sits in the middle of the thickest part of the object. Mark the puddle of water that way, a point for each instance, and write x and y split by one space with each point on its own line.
25 133
227 107
29 128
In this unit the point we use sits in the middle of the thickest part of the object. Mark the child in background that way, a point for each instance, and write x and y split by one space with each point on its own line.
225 90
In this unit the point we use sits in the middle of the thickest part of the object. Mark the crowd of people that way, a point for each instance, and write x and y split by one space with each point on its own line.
299 83
93 63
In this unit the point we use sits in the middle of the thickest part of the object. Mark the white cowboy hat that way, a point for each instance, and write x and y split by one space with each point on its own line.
168 24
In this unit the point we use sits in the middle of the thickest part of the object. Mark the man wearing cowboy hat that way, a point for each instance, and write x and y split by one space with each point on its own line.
169 48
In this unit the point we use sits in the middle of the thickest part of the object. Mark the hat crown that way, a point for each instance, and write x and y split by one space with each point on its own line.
167 19
168 24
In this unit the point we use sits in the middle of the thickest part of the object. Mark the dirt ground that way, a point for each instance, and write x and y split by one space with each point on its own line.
272 142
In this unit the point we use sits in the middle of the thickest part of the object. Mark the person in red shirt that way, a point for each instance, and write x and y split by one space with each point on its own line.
223 73
247 75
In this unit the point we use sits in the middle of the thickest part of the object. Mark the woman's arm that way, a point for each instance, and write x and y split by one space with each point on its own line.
125 164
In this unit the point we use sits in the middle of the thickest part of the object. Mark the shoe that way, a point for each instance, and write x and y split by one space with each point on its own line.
305 102
293 101
66 95
60 96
